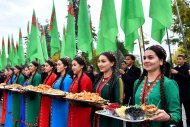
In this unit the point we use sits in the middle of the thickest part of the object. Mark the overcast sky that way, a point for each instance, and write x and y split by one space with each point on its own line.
15 14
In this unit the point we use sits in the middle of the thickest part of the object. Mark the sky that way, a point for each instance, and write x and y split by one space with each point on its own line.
15 14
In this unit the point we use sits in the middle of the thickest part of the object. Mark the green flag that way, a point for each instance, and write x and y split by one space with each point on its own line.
55 42
34 49
16 57
21 50
10 56
70 44
84 31
12 51
44 46
63 44
107 27
132 18
3 56
161 14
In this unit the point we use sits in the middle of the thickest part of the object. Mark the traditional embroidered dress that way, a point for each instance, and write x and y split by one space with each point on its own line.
8 119
45 104
32 103
150 94
16 100
22 108
114 96
80 116
4 103
59 107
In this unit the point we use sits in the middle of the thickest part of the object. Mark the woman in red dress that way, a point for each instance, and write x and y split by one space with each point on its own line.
46 101
8 73
79 116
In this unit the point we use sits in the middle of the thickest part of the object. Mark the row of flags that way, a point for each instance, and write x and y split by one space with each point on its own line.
132 18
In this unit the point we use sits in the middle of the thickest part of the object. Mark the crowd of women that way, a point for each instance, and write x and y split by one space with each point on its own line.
33 109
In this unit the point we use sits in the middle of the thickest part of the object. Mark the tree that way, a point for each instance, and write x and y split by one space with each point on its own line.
184 10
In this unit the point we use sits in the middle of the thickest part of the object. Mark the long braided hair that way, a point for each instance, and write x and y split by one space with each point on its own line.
161 54
111 57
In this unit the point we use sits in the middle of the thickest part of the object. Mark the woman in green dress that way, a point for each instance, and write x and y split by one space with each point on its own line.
154 88
16 97
109 85
33 99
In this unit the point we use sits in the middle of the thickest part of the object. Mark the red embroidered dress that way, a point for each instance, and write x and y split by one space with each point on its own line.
4 103
45 104
80 116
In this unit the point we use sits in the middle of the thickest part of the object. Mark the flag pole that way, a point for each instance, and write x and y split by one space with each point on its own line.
142 35
168 42
182 32
140 52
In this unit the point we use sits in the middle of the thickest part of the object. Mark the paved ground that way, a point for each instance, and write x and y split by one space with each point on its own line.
182 113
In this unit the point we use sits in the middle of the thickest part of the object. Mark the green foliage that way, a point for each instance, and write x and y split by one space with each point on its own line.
184 10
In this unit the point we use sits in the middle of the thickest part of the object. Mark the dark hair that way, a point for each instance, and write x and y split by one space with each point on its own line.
181 55
111 58
161 54
131 56
66 63
18 67
91 67
81 61
12 69
51 63
123 62
35 63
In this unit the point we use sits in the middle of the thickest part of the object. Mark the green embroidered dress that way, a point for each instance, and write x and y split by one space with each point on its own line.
117 97
172 103
16 101
32 103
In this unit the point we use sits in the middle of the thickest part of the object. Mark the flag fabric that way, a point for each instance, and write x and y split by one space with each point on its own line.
12 50
15 55
161 14
63 44
70 44
55 42
3 56
28 54
44 45
34 49
10 56
21 50
108 28
84 29
132 18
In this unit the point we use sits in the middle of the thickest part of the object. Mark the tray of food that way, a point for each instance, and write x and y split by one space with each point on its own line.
30 88
86 99
2 85
13 86
55 93
133 113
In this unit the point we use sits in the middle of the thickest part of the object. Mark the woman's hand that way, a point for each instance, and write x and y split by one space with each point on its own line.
161 116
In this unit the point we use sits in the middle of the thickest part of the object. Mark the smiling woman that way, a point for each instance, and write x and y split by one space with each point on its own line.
153 87
109 86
